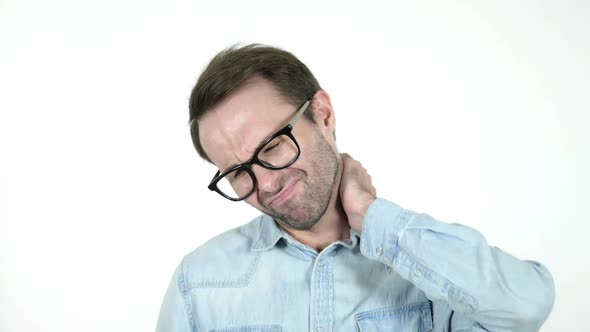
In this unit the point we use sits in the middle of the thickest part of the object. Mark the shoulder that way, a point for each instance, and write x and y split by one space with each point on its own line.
226 260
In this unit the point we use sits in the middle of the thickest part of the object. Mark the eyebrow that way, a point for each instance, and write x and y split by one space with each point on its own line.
262 141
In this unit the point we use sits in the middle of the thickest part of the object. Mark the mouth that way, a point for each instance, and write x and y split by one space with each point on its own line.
285 194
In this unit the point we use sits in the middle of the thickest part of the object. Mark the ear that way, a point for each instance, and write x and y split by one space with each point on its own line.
323 114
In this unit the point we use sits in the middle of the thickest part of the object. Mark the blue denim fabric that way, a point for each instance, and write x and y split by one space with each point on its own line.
405 272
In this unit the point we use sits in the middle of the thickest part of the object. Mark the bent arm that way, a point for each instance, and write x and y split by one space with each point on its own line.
454 263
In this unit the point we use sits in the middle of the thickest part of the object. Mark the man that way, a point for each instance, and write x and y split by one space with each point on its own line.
327 254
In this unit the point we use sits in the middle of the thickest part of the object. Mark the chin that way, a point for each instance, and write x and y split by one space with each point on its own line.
299 225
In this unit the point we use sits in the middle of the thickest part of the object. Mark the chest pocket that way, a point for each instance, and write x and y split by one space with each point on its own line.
410 317
251 328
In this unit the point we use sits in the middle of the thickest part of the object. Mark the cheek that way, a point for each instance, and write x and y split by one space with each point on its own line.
306 159
305 155
302 163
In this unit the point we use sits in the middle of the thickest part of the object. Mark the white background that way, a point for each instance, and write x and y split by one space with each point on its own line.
473 112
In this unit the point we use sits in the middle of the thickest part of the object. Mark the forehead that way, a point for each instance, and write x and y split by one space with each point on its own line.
232 130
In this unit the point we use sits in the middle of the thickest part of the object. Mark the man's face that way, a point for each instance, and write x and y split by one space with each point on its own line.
298 195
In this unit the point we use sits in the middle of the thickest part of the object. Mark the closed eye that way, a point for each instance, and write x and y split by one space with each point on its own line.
238 173
270 148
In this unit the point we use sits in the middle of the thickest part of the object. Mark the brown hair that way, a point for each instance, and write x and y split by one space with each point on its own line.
231 68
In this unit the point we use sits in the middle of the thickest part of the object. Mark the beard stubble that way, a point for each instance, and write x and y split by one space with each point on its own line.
303 212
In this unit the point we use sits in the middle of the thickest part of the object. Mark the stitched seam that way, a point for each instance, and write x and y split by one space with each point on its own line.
448 289
186 298
251 328
390 310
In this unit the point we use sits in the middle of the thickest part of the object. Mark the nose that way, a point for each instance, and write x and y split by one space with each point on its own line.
267 179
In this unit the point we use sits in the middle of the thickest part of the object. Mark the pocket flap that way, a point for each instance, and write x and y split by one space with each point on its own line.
250 328
408 317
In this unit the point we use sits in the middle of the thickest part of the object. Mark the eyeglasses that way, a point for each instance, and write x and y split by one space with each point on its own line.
279 151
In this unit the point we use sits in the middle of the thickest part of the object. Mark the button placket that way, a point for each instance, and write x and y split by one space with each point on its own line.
322 294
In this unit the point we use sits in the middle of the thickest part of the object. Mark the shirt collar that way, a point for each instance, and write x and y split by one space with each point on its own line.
270 233
355 238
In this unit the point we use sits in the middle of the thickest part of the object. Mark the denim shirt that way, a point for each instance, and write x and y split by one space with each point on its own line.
404 272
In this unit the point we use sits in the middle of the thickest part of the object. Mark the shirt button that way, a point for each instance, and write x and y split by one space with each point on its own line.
379 251
321 264
418 272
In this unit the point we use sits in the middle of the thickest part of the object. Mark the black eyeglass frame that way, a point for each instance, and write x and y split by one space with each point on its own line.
247 166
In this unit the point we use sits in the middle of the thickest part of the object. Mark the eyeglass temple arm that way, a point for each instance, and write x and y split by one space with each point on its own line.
299 113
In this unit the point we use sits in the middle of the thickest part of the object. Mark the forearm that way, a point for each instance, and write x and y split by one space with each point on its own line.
454 263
